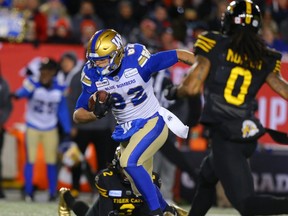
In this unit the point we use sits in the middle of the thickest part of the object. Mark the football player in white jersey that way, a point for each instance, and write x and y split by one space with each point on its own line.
125 72
45 107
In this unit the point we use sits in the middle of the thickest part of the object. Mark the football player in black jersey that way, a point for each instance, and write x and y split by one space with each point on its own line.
116 197
232 66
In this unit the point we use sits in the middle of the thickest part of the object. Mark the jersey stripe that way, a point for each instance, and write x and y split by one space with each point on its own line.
248 12
277 67
102 191
205 43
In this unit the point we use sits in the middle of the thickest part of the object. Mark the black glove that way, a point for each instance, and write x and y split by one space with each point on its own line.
101 109
170 92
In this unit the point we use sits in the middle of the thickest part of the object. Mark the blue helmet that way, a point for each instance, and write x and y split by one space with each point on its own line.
105 44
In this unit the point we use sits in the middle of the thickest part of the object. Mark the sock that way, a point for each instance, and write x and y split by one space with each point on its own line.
52 177
28 172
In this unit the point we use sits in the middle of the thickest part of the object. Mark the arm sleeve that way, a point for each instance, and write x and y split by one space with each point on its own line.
83 99
159 61
64 116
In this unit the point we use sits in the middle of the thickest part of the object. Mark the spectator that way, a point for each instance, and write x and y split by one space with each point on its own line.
62 33
87 29
125 20
85 17
177 13
279 10
37 23
160 18
54 10
283 30
69 66
146 34
214 22
46 106
271 38
5 111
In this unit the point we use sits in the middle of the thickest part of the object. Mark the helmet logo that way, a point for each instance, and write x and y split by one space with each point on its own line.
117 41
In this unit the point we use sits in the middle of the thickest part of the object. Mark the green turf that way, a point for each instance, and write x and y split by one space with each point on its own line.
21 208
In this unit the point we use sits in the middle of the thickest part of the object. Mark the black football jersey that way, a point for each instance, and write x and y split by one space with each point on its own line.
230 89
116 194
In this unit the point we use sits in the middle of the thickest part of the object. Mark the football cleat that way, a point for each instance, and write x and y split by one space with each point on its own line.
63 209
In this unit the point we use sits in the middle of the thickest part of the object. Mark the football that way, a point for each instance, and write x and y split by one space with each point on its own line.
102 95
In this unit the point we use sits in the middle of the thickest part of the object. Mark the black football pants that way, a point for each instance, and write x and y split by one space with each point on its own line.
228 163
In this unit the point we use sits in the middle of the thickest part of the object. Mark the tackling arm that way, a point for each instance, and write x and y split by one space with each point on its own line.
197 74
185 56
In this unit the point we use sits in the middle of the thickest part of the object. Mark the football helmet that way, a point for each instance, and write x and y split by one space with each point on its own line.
105 44
243 13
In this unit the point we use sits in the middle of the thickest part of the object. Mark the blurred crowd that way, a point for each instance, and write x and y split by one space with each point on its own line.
158 24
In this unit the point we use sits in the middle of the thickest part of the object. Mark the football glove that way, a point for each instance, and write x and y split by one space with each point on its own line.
170 92
101 109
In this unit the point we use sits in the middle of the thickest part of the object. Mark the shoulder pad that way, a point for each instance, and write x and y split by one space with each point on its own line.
85 79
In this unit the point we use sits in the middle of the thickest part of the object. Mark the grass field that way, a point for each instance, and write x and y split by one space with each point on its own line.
14 206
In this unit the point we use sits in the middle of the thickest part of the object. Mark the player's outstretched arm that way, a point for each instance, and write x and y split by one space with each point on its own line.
83 116
278 84
197 74
185 56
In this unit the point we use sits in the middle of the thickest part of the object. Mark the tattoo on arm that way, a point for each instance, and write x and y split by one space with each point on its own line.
186 61
201 72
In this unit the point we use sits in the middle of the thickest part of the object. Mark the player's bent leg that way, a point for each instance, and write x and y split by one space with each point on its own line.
205 191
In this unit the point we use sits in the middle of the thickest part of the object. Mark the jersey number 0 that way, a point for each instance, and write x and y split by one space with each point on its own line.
230 85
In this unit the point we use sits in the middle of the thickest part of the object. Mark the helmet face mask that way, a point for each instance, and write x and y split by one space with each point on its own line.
105 44
241 14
